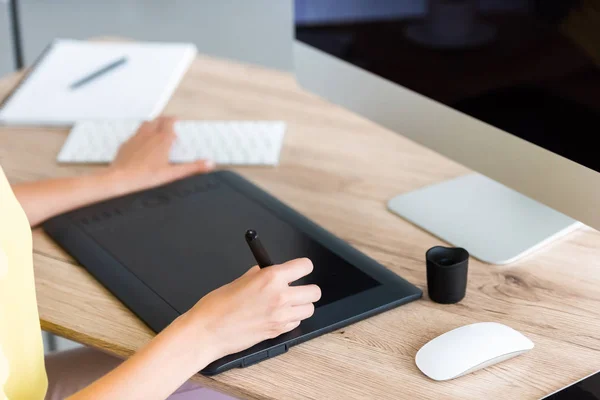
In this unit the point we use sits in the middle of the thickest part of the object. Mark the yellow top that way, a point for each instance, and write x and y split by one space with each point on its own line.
22 372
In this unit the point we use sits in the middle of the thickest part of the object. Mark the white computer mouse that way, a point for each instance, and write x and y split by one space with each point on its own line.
468 348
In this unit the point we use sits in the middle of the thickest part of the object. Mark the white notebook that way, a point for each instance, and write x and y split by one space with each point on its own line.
138 89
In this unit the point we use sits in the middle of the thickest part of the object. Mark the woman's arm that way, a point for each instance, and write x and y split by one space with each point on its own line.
142 162
259 305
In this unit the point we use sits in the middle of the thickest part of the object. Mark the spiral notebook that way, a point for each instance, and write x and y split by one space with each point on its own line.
138 89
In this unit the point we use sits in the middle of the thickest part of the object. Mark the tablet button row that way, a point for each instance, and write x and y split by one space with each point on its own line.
277 350
253 359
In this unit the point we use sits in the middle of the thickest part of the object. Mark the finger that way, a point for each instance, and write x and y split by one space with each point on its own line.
148 126
158 148
166 125
300 313
295 269
166 138
300 295
290 326
179 171
252 271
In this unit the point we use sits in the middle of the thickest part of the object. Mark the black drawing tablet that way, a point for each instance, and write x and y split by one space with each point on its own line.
159 251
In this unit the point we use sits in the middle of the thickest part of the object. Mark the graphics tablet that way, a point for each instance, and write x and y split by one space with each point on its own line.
159 251
587 388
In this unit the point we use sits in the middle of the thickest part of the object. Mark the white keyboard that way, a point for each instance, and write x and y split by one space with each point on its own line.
224 142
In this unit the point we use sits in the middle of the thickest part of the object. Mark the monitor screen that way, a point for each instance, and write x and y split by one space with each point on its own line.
529 67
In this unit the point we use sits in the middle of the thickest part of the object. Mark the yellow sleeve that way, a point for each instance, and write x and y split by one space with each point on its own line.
21 349
3 360
3 369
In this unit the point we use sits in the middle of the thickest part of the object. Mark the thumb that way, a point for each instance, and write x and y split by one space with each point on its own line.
174 172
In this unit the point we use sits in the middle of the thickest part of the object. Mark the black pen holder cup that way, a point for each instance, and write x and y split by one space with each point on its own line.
447 269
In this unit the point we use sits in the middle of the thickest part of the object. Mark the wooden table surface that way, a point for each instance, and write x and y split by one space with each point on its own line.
339 170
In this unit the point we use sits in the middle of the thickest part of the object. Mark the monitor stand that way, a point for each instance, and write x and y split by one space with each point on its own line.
493 223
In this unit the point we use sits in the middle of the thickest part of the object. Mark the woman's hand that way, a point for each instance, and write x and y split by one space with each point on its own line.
257 306
143 161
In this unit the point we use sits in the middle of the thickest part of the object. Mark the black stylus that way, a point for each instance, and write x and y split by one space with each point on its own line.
260 253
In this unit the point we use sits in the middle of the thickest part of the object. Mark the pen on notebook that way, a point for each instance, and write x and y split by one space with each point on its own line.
260 253
101 71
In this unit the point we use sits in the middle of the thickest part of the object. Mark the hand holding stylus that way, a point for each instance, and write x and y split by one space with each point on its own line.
261 304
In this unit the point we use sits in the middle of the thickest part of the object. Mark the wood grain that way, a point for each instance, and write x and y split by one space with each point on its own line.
340 170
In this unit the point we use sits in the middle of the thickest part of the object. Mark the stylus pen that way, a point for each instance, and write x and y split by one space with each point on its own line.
260 253
98 73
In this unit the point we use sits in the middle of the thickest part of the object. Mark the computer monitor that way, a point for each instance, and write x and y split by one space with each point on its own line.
508 88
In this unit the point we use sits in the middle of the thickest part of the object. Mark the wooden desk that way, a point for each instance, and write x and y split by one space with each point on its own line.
340 170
